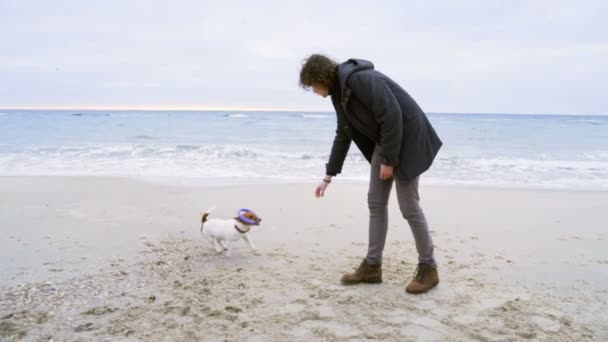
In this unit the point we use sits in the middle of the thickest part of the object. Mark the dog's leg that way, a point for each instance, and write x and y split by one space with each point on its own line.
249 242
217 245
227 249
211 240
223 244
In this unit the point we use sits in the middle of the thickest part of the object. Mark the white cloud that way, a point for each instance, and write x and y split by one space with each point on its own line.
464 56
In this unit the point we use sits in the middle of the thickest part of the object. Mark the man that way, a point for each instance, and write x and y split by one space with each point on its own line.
395 136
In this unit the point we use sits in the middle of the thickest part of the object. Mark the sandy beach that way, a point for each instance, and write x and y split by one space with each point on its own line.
94 259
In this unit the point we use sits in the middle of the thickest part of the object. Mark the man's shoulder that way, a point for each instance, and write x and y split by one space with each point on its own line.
353 66
363 77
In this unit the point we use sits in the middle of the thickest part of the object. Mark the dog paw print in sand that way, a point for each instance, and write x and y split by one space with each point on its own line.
98 311
89 326
502 258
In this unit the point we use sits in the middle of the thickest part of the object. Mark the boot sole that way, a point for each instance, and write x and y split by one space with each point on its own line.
366 281
421 291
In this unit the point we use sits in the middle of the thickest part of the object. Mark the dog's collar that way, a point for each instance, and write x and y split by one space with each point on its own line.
239 229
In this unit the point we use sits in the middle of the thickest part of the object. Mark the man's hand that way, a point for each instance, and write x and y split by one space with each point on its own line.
386 172
320 191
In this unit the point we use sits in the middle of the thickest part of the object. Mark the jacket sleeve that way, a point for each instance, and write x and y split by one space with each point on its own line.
339 149
377 97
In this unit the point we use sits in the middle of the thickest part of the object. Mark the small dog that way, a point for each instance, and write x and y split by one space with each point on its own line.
221 233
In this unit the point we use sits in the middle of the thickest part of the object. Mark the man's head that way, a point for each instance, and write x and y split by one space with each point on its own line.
318 72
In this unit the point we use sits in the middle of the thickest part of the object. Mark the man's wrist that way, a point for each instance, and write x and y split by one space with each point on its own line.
327 179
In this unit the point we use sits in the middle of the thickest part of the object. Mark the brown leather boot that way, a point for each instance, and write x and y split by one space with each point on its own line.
365 273
426 278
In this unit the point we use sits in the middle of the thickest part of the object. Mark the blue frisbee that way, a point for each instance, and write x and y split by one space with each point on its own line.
245 219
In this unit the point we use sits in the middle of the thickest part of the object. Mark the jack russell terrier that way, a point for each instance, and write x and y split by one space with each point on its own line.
220 233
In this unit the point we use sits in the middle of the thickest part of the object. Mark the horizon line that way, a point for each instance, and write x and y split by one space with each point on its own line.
184 108
251 109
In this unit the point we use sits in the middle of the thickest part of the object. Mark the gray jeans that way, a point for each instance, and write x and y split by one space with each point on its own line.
408 198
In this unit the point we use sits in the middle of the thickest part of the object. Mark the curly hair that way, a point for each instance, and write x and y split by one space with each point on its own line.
318 70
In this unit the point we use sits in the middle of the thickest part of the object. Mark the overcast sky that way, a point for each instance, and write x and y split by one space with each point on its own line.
452 56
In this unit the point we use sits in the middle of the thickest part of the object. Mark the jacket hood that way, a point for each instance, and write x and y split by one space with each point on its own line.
351 66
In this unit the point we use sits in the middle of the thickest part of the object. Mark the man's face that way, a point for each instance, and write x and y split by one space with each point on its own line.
320 90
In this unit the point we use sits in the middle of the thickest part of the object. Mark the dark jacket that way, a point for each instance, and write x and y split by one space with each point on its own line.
374 110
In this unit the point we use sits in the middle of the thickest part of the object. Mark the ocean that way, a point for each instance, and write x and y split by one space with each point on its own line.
211 147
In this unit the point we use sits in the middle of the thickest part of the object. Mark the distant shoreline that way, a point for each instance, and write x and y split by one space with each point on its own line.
273 110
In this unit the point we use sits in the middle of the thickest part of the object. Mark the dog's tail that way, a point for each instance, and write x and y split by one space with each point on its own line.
205 215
